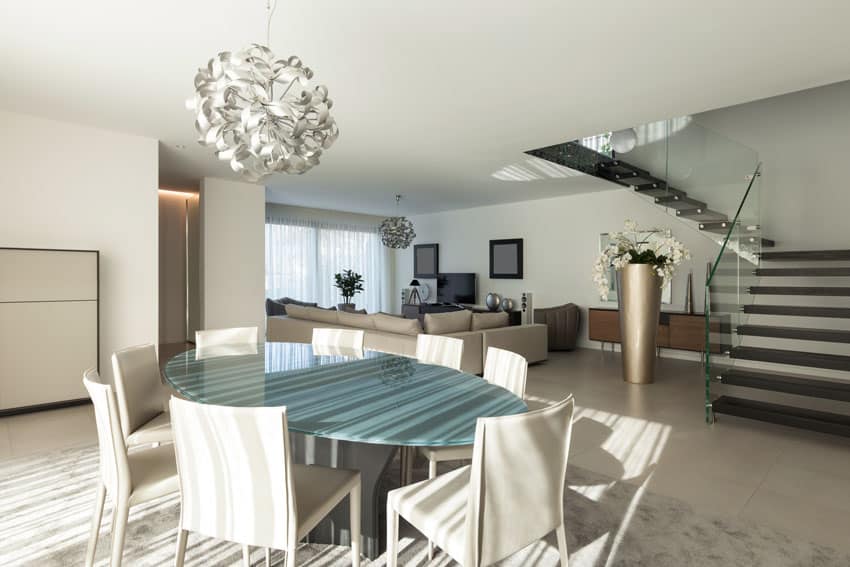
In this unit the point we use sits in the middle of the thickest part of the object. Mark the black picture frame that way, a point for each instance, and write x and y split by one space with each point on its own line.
506 250
423 267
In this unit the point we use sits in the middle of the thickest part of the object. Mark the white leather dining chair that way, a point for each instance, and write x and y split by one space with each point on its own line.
129 478
510 496
439 350
340 338
503 368
142 397
230 336
231 341
238 482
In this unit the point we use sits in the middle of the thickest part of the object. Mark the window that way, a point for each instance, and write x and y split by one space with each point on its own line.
303 256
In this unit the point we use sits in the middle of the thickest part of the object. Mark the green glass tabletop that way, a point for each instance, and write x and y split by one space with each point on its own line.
372 398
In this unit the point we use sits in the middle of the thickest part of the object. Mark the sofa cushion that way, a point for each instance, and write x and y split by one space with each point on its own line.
445 323
489 320
313 314
391 324
355 319
278 306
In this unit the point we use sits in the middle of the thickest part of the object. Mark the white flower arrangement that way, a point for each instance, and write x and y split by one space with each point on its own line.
637 246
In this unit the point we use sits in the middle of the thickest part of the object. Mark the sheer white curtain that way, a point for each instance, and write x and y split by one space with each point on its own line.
302 257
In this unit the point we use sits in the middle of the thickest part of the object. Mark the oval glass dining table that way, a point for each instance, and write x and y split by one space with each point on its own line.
352 409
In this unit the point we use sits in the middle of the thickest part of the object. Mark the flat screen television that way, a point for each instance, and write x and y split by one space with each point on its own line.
456 288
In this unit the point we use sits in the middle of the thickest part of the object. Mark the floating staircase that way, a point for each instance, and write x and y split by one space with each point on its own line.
685 207
792 373
786 341
576 156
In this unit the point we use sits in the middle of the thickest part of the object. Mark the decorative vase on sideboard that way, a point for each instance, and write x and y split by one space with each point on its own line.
640 304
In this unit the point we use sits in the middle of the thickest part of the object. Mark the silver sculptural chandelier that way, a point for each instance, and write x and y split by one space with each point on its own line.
260 113
397 232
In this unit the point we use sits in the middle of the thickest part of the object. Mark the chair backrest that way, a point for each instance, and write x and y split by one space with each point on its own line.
110 440
516 492
139 386
343 338
506 369
235 473
440 350
231 336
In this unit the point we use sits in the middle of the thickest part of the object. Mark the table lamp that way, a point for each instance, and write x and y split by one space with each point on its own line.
414 295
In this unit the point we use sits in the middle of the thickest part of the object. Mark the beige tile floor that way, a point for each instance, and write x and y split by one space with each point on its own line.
797 482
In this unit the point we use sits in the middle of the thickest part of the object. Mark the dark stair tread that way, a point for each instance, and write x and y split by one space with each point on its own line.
793 357
807 255
679 202
799 333
787 383
800 290
822 421
797 311
720 227
802 272
629 179
619 166
700 214
657 190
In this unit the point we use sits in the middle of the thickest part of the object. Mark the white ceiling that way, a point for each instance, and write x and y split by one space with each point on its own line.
433 99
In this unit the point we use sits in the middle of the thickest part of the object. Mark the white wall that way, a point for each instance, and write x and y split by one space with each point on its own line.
70 186
803 140
561 243
232 254
172 267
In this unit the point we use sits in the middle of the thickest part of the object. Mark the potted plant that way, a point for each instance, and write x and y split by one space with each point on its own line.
645 260
348 283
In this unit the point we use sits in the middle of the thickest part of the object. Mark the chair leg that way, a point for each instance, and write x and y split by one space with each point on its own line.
354 519
99 499
432 473
121 513
561 532
290 555
246 556
268 557
392 535
182 535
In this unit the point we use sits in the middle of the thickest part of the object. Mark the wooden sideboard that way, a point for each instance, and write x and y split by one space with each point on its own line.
677 330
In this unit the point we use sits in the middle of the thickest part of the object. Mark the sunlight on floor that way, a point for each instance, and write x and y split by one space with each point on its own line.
637 444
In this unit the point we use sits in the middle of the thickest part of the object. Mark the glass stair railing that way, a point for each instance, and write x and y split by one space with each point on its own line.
727 287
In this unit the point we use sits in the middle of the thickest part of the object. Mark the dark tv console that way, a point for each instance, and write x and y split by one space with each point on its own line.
418 311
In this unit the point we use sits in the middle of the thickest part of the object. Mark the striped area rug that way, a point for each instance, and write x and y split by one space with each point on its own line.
46 503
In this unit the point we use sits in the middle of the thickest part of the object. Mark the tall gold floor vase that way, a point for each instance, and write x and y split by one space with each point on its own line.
640 303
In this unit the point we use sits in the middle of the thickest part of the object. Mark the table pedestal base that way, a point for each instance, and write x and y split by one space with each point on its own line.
372 461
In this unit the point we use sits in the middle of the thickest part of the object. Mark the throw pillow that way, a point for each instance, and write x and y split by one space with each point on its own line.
312 314
489 320
274 308
445 323
398 325
358 319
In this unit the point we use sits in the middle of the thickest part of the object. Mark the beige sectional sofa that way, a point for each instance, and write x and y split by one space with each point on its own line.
390 333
